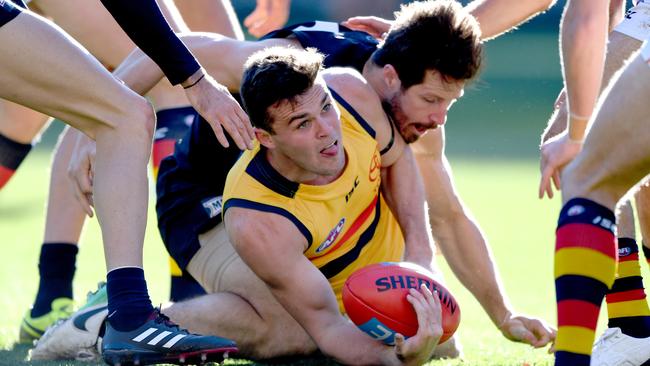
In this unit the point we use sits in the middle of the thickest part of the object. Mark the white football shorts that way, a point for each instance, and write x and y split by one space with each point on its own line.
636 22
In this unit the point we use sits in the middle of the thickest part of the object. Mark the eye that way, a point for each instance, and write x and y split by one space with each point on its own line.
431 100
304 124
327 107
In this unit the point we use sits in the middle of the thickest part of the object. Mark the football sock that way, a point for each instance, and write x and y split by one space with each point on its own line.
56 268
128 300
585 266
627 307
12 154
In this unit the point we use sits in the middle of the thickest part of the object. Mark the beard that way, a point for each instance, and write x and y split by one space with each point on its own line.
398 118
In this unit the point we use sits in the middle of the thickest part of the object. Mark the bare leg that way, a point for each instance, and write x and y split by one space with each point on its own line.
240 306
592 185
19 128
625 221
600 172
92 101
643 211
28 126
65 217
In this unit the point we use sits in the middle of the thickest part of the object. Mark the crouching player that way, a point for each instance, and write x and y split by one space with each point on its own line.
273 269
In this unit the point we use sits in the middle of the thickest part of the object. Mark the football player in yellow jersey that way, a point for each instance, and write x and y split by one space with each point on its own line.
316 164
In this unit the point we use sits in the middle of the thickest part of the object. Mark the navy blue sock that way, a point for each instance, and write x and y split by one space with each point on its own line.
128 300
56 267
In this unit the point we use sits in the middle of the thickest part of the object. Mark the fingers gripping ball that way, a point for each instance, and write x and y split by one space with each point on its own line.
374 298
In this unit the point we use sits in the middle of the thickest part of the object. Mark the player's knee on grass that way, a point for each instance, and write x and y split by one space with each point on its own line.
280 340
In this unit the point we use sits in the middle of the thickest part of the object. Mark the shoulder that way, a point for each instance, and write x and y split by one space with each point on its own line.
358 93
351 85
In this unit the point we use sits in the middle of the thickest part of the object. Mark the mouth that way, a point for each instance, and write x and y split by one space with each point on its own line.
331 149
421 129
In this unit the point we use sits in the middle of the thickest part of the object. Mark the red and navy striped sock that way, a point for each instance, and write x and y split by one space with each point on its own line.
627 307
12 154
585 266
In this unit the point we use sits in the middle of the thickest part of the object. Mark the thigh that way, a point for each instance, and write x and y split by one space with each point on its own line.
218 268
68 83
616 153
92 25
19 123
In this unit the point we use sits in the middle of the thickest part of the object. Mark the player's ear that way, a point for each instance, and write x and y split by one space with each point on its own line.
264 137
391 78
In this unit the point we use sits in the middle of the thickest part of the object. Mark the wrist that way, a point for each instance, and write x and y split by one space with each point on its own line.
506 317
193 79
577 127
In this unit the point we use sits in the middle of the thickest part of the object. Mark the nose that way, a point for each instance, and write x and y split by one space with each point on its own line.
438 117
325 127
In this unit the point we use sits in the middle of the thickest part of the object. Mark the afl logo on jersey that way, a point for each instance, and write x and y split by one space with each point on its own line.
332 236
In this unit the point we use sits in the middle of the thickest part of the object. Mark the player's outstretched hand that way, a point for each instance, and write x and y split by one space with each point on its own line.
375 26
533 331
556 153
268 15
213 101
80 171
418 349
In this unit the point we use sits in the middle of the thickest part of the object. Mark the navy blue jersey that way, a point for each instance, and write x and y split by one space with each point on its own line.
340 45
190 182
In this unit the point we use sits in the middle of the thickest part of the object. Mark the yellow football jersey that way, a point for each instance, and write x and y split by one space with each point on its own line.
346 223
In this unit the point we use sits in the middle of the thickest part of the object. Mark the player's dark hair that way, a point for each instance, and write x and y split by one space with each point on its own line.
432 35
274 75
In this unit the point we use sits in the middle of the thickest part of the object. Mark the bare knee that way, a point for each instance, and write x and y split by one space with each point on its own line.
283 340
140 120
580 181
133 123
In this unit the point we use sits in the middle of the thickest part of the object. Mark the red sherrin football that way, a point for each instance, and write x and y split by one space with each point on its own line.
374 298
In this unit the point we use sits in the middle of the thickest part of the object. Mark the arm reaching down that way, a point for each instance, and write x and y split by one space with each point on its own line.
465 247
305 293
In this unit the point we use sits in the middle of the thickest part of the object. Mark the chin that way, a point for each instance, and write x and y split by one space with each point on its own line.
410 137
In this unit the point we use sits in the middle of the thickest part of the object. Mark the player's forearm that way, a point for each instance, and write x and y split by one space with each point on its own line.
404 193
468 255
146 26
139 72
583 43
499 16
619 49
350 346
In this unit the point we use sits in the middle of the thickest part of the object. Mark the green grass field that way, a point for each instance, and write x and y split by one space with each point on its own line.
501 194
492 144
